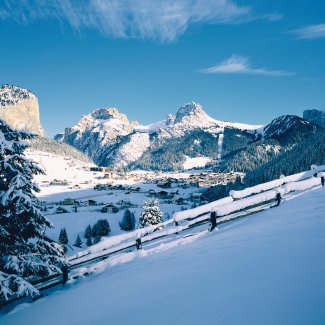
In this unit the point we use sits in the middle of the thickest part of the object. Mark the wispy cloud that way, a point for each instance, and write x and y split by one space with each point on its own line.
164 20
241 65
310 32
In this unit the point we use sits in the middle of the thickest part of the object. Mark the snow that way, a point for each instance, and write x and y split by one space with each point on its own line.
265 269
133 149
206 208
302 185
228 208
193 162
256 189
151 128
276 183
58 167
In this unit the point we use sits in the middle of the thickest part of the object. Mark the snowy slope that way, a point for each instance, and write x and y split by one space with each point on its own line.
266 269
59 167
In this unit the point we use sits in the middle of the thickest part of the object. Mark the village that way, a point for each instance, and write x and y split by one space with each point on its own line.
75 195
181 188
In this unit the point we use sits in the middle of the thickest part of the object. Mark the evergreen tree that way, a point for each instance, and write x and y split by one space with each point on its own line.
89 242
88 232
103 227
63 237
78 242
151 214
100 228
97 239
24 250
128 221
94 230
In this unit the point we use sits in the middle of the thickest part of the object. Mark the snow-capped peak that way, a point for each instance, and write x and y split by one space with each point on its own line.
107 113
193 114
105 118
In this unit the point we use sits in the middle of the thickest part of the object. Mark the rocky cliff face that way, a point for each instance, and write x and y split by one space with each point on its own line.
315 116
19 108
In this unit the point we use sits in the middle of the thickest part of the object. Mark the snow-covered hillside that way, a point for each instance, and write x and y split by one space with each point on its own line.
60 167
265 269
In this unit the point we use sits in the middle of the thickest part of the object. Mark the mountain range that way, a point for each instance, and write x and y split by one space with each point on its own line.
190 138
110 139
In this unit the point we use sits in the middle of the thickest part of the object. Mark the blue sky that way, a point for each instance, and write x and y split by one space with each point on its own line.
245 61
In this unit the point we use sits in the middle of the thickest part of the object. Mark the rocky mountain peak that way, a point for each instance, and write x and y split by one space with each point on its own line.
170 119
285 125
188 109
19 108
193 114
108 113
12 95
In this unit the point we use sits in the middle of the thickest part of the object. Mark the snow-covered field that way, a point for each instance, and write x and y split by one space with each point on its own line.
265 269
190 163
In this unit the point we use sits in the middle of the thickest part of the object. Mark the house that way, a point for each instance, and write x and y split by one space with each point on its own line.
69 201
96 169
92 202
124 204
109 208
166 184
162 194
196 196
59 182
152 193
60 210
108 175
180 201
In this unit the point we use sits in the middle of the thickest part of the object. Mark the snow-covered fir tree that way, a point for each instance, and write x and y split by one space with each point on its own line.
151 214
24 250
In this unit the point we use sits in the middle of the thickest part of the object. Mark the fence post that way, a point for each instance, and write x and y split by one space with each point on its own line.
278 198
138 243
322 180
213 221
176 225
65 274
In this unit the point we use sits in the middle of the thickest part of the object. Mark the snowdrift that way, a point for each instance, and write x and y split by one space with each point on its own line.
206 208
234 206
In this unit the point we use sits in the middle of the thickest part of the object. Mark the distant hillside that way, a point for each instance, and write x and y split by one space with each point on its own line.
299 158
58 148
281 135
